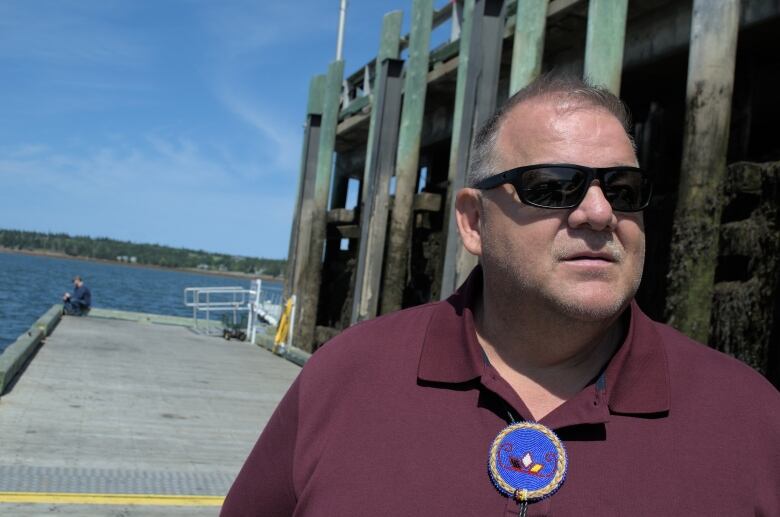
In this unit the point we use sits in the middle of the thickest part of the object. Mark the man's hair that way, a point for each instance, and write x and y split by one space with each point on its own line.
77 278
570 91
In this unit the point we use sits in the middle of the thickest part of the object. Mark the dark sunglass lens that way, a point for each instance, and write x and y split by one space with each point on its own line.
626 189
552 187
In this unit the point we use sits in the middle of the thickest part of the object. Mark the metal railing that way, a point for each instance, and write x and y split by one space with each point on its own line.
259 306
359 84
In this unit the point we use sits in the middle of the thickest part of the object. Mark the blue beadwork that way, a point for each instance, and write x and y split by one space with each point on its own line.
528 457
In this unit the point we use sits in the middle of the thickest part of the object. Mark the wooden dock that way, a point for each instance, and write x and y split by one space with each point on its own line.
123 417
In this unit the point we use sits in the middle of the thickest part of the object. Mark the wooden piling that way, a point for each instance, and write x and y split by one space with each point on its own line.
695 235
389 45
528 46
475 100
374 214
309 285
300 234
390 39
408 157
380 156
604 43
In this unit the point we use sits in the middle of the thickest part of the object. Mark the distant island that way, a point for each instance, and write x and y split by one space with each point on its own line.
102 248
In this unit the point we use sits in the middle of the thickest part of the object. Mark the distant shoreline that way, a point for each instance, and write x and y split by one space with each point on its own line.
225 274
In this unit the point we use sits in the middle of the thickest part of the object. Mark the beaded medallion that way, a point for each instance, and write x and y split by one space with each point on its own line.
527 462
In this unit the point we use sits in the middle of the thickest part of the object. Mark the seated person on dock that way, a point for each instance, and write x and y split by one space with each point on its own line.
539 387
78 303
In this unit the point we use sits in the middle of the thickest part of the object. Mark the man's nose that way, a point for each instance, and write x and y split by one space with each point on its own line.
594 211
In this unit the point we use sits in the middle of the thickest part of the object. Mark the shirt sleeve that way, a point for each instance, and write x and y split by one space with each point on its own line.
264 485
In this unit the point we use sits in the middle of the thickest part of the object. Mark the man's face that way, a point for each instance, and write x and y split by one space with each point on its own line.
585 262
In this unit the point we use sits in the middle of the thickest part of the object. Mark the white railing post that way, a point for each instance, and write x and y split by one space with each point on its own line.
292 322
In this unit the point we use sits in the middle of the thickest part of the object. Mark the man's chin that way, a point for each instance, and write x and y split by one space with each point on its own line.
592 309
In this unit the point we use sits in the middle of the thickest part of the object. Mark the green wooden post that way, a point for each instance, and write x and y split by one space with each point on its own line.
310 280
389 44
300 233
390 40
694 249
604 43
408 156
465 82
528 47
373 215
475 102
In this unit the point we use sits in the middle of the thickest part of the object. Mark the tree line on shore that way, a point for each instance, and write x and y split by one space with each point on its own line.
146 254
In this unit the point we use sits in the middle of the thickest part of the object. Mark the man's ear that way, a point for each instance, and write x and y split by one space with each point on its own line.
468 214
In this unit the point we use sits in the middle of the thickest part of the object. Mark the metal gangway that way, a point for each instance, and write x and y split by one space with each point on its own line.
261 306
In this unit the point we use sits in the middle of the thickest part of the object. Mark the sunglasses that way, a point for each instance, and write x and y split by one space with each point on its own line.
627 189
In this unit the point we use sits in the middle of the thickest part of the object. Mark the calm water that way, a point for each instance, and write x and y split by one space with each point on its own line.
29 285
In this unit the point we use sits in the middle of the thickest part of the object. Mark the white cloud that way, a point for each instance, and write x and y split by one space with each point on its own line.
281 140
233 153
159 190
68 33
244 27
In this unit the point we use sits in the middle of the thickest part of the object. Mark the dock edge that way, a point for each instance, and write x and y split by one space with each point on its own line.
15 357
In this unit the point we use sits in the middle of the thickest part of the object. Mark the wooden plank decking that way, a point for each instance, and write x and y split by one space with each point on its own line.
120 417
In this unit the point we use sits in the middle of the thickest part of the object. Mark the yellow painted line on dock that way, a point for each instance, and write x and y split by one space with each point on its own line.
110 499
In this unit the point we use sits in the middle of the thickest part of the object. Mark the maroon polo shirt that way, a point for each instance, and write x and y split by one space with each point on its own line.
394 417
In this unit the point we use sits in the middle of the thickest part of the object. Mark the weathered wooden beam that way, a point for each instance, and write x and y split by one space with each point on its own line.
389 44
380 148
408 156
299 234
475 101
528 46
373 221
462 122
309 285
694 247
348 231
427 202
390 38
604 42
341 216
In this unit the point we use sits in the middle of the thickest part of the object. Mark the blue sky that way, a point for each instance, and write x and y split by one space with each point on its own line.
176 122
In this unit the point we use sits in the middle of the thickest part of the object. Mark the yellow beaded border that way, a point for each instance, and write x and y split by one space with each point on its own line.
525 495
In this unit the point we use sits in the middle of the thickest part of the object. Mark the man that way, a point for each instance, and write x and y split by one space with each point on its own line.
539 388
78 303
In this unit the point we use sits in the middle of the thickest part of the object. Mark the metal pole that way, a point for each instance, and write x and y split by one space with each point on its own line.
342 20
194 308
208 313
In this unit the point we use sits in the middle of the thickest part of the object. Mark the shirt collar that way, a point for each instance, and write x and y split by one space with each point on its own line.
637 379
637 376
450 351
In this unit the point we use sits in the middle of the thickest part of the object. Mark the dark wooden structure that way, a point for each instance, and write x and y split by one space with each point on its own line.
699 77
